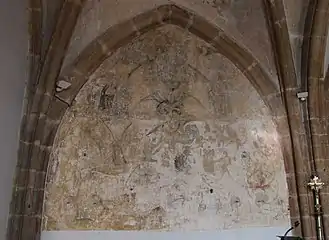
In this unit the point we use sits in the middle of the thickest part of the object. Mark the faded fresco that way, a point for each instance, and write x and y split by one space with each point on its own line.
235 17
166 135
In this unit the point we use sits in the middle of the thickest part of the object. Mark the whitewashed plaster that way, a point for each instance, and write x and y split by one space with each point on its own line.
166 135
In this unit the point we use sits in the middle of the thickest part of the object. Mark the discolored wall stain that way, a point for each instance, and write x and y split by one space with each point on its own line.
166 137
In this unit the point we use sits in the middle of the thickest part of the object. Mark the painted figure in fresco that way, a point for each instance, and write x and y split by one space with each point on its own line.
221 165
105 100
217 167
260 174
208 160
220 4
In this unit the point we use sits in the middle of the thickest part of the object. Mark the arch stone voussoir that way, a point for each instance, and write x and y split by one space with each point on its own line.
96 52
315 53
116 36
28 194
48 106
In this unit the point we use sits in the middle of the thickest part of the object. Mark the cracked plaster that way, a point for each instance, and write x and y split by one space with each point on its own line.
166 135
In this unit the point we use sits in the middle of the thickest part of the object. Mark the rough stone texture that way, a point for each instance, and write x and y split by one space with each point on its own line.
296 11
318 97
299 130
162 136
40 120
236 23
235 17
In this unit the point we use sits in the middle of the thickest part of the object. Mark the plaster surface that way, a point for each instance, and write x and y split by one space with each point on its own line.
243 21
166 135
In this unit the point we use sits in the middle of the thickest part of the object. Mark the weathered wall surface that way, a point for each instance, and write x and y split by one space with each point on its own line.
244 21
166 135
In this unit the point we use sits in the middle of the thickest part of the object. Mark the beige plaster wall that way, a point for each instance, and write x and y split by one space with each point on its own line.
166 135
244 21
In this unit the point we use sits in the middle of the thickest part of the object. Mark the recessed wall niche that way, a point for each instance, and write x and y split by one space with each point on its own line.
166 135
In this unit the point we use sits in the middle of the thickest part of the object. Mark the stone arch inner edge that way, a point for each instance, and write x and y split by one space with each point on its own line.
95 53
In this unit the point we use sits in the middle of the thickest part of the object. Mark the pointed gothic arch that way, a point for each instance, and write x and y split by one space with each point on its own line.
48 107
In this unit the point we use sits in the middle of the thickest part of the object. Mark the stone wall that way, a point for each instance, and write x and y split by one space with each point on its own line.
236 30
